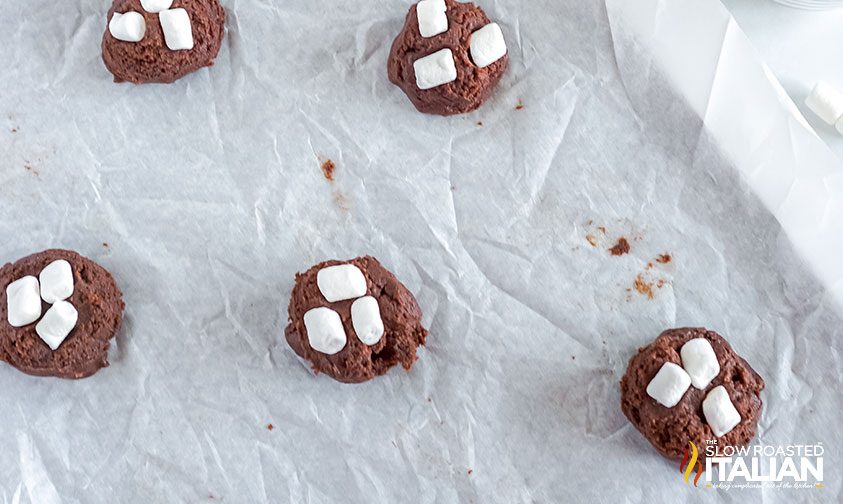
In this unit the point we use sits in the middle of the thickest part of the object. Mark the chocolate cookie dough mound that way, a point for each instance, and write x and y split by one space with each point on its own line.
448 57
690 386
353 320
161 40
90 308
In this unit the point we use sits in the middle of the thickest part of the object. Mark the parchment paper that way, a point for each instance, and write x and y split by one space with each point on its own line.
206 196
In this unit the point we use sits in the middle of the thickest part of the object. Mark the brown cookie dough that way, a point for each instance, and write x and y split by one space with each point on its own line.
150 60
85 350
473 85
670 429
358 362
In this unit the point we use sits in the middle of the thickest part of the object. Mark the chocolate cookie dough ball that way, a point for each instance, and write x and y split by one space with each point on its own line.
161 40
690 386
58 313
448 57
353 320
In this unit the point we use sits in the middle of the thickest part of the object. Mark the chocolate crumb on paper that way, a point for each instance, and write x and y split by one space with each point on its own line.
270 427
520 105
591 240
664 258
328 168
620 248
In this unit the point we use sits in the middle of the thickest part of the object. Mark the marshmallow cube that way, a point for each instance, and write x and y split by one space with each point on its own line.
826 102
155 6
700 362
128 27
487 45
57 323
178 32
366 319
432 17
341 282
23 301
435 69
56 281
669 385
719 411
324 330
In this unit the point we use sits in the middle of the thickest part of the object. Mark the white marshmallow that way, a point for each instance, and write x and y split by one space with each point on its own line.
366 319
324 330
487 45
23 301
57 323
178 32
719 411
56 281
155 6
839 126
669 385
341 282
826 102
432 17
435 69
700 362
128 27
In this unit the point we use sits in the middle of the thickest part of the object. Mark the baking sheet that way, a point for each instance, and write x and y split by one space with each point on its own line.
206 196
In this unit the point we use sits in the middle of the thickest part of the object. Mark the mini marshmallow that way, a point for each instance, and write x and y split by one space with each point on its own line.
700 362
435 69
128 27
432 17
366 319
826 102
57 323
341 282
669 385
324 330
23 301
155 6
719 411
487 45
839 126
56 281
178 32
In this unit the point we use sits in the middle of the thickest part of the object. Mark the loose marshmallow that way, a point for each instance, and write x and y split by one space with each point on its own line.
155 6
435 69
128 27
57 323
23 301
324 330
432 17
839 126
341 282
719 411
487 45
56 281
826 102
669 385
178 32
700 362
366 319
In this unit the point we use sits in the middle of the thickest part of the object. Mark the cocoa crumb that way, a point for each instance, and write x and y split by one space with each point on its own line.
644 287
520 105
270 427
480 123
328 168
14 130
105 244
470 471
30 168
592 240
664 258
620 248
602 229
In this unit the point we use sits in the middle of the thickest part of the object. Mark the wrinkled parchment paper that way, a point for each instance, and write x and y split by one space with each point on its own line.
206 196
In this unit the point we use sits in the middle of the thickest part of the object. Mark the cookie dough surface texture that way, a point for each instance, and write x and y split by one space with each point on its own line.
99 306
197 24
669 429
394 316
472 84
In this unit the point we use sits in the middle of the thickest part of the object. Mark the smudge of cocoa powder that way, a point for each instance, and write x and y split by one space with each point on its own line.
328 168
592 240
620 248
664 258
